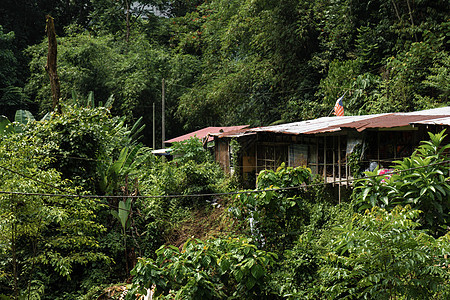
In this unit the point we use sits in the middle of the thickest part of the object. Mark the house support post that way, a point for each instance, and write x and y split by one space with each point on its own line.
317 156
325 159
378 148
339 166
347 167
334 160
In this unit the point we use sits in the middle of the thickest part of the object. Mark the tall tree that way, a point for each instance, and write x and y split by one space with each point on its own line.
40 233
51 66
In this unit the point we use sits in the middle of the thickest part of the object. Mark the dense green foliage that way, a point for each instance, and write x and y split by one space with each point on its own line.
381 255
278 209
419 180
75 244
215 269
224 63
12 96
232 62
44 239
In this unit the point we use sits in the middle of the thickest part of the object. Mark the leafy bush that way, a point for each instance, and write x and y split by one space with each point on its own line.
170 181
296 275
272 213
419 180
190 150
215 269
43 238
79 139
88 147
381 255
184 179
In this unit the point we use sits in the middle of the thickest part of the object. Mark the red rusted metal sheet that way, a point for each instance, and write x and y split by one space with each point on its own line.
386 121
334 124
202 133
439 121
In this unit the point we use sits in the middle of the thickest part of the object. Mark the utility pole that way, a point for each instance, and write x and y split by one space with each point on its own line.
154 128
163 118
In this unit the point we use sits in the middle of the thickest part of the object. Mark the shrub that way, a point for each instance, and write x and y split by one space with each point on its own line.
273 214
419 180
381 254
215 269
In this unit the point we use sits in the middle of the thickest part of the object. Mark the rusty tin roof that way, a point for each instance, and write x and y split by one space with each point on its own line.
359 123
440 121
202 133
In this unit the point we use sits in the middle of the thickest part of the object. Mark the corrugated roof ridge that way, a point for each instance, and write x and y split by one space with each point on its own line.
204 132
329 124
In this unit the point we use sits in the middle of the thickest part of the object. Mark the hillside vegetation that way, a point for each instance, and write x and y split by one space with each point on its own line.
88 212
228 62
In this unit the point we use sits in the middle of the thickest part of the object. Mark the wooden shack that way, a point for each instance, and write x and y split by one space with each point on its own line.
328 145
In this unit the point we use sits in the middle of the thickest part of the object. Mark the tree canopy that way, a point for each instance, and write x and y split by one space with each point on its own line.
233 62
88 212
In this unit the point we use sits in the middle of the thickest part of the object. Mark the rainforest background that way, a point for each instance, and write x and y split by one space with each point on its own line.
255 62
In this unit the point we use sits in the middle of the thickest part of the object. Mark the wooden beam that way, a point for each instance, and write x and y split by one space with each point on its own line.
378 147
339 166
334 159
325 158
317 155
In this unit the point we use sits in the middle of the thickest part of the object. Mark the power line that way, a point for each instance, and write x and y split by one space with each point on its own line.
303 186
51 186
31 178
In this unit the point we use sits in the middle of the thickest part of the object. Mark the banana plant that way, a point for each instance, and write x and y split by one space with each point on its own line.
130 158
113 172
123 215
22 117
90 102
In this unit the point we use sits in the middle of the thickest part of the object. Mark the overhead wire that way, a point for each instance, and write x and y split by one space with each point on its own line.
303 186
48 185
96 197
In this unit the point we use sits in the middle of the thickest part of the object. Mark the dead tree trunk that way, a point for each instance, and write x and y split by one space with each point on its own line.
127 38
50 67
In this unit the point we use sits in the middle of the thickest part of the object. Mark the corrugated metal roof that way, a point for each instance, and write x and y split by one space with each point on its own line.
386 121
440 121
440 111
360 123
320 125
202 133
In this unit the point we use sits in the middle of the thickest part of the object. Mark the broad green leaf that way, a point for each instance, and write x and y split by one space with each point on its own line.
109 102
250 282
257 271
238 275
224 265
23 117
124 212
6 126
90 100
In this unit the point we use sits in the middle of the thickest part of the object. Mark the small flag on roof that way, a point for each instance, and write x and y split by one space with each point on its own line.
339 106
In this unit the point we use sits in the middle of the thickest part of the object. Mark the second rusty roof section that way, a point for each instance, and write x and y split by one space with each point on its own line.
385 121
359 123
203 133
